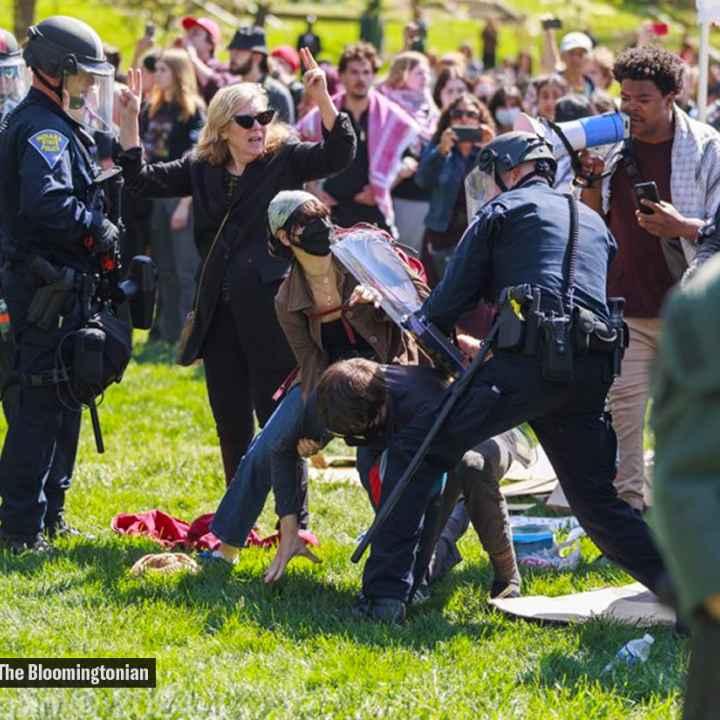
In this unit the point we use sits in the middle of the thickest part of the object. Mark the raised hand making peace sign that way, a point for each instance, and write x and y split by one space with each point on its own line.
316 90
314 78
129 100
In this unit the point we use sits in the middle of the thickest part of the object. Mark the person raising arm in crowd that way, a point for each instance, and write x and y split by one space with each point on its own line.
242 160
384 130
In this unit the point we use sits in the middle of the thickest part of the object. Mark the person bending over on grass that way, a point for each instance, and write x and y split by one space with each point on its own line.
326 316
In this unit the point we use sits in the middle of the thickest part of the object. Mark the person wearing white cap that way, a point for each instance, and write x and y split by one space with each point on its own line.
326 316
570 59
575 49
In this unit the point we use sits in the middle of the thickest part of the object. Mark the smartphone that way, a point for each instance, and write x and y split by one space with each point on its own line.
468 134
150 30
646 191
552 24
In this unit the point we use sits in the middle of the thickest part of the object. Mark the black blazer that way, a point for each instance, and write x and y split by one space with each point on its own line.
293 164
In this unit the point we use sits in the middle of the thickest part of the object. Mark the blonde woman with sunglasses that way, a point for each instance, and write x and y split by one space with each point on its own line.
243 158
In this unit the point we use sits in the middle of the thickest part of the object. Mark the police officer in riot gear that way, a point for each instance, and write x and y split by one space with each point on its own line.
13 73
545 257
52 227
13 88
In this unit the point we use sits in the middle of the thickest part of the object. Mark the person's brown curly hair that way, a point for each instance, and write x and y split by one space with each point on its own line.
358 52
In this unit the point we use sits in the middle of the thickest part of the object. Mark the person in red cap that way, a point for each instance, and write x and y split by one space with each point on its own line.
287 64
202 36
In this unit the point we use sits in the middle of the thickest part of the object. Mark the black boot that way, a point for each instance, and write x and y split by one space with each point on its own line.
59 528
17 544
385 610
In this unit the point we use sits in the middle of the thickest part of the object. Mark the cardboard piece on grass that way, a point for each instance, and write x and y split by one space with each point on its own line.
630 604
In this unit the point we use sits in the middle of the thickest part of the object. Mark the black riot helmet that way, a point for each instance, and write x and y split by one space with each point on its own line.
69 49
505 152
65 45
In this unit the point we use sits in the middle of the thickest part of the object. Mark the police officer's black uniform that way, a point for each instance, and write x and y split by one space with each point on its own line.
521 237
49 207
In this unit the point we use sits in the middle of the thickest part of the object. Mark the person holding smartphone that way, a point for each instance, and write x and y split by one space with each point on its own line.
463 128
656 237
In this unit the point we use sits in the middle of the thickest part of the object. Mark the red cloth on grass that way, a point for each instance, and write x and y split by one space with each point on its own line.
172 532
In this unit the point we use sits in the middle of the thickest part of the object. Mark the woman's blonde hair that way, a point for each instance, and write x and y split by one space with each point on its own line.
212 147
184 89
402 65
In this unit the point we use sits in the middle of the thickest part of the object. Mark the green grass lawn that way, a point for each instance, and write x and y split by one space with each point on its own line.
229 647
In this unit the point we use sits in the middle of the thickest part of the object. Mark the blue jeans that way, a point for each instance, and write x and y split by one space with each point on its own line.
271 461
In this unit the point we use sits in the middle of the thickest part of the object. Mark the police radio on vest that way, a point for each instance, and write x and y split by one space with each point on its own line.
606 129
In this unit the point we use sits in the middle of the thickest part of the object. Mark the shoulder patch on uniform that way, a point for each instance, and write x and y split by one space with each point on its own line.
50 144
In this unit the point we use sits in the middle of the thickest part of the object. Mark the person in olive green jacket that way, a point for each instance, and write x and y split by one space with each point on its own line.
686 418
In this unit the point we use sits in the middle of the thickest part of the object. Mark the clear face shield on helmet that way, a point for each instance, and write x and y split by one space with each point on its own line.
480 188
14 83
90 95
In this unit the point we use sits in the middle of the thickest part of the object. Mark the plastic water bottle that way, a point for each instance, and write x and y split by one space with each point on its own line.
632 652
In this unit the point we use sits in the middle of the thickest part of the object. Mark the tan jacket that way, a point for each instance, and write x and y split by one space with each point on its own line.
294 307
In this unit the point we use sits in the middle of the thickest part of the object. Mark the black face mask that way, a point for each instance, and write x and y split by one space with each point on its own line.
315 237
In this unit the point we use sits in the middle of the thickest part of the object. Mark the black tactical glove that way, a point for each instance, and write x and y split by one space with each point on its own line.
106 236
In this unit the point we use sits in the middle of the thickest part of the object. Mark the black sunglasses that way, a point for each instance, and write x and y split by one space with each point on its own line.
247 121
458 113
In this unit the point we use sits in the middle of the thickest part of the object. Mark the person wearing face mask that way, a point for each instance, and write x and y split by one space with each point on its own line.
555 253
242 159
326 316
505 106
52 210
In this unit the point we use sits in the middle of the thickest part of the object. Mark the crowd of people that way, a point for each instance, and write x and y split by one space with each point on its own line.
239 176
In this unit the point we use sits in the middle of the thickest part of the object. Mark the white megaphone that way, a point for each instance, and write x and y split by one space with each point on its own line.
606 129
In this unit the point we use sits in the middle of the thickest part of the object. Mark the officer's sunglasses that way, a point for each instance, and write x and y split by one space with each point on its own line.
247 121
459 113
